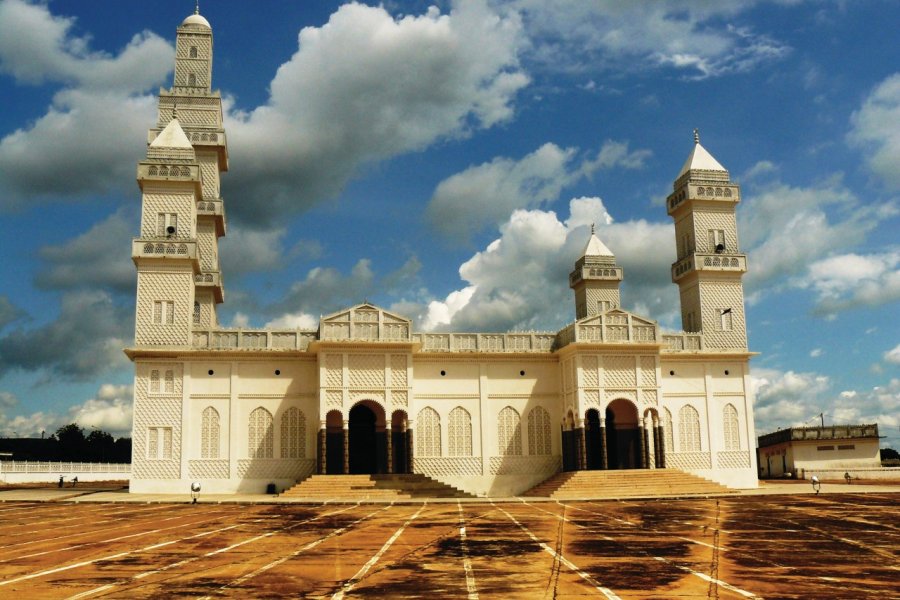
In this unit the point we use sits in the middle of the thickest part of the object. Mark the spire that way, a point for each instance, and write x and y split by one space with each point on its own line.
595 247
700 159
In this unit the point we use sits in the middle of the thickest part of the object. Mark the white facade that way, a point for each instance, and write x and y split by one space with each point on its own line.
491 413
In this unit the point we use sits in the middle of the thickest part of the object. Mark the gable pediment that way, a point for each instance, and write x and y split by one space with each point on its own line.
365 322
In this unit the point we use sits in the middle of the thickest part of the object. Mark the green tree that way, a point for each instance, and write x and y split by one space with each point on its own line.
70 440
99 446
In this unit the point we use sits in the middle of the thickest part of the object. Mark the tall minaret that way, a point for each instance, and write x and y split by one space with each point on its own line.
177 254
595 280
709 264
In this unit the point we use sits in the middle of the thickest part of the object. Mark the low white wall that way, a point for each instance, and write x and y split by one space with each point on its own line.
864 473
50 471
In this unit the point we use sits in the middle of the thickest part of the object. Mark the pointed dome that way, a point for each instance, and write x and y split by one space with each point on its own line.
196 19
595 247
172 142
700 159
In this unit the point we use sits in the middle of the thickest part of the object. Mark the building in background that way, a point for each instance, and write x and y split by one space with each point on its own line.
491 413
805 451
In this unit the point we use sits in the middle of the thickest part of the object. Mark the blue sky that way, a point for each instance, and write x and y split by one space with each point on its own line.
445 160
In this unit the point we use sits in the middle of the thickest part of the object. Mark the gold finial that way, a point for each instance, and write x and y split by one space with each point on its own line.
174 110
696 135
197 7
592 229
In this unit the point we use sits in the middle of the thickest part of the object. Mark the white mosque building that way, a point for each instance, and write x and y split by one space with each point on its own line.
490 413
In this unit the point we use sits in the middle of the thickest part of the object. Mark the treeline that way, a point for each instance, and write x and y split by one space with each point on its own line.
69 443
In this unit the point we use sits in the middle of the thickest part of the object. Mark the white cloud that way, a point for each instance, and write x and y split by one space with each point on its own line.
8 399
893 356
848 281
688 37
785 399
816 353
876 128
487 194
365 87
520 280
294 321
110 410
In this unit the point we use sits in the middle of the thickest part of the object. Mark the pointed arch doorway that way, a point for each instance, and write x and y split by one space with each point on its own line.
623 440
367 447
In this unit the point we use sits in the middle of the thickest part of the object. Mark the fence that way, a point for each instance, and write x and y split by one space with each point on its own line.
26 471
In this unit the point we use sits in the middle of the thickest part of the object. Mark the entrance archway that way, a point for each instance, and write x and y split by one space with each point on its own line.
623 440
368 444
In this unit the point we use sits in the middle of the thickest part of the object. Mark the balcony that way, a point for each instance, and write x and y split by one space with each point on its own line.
212 280
735 263
165 249
485 342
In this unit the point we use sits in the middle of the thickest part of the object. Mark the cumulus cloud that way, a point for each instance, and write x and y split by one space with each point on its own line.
687 37
299 320
876 128
93 259
520 280
110 410
365 87
91 135
487 194
9 312
786 228
848 281
893 356
86 339
785 399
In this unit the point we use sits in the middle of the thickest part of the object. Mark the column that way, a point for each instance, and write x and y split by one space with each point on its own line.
604 459
323 449
660 435
409 450
346 432
390 453
582 447
643 433
656 442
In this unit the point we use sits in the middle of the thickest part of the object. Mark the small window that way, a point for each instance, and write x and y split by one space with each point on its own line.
847 447
196 313
603 306
170 382
193 52
717 240
164 312
166 225
154 382
159 443
824 448
192 80
725 319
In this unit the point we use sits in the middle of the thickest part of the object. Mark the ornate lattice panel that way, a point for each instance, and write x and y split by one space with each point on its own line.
566 375
723 220
274 468
723 295
400 399
731 428
648 397
334 370
592 397
181 205
539 442
514 465
589 371
206 242
619 371
209 175
374 395
442 468
366 370
668 438
293 433
688 460
209 469
459 437
172 286
156 413
735 459
648 371
509 432
209 433
261 434
428 433
688 429
398 370
334 398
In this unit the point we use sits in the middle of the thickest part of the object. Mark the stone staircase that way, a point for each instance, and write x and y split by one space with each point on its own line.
373 487
625 483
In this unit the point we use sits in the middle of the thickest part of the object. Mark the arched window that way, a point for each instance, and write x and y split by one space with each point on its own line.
731 428
293 433
688 429
539 431
209 433
196 313
428 432
509 432
261 433
154 381
192 79
460 432
193 52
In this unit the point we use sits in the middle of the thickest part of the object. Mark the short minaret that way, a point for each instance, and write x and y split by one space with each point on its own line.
709 264
595 280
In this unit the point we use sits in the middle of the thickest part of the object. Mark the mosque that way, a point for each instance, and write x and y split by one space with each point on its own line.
490 413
